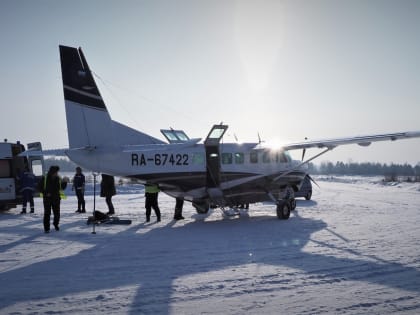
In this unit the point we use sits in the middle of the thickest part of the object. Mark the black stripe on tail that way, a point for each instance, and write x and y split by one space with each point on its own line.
78 83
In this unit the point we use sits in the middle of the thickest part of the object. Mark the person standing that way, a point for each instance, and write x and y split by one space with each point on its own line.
151 193
178 209
52 188
108 190
27 184
79 187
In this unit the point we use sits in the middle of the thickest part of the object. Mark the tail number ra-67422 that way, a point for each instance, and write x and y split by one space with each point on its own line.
159 159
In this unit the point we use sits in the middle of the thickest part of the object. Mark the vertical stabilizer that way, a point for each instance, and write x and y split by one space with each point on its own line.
88 121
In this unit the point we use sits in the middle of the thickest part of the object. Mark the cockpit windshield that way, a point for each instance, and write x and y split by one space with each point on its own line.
175 136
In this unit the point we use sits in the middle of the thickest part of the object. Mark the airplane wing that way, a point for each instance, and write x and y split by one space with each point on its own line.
363 141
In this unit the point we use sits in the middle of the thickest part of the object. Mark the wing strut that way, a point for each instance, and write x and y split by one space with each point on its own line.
303 163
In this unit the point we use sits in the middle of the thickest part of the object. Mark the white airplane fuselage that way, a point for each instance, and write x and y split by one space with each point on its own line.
206 173
181 169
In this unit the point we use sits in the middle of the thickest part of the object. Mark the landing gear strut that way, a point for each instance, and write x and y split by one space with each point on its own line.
201 207
284 205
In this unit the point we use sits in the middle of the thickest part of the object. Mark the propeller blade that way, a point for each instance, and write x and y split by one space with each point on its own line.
313 180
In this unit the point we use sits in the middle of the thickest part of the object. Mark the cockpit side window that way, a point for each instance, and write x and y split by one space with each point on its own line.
198 158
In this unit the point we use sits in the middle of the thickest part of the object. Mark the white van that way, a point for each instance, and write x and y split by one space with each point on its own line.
12 163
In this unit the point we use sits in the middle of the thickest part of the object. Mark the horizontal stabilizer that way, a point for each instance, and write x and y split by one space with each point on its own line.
49 152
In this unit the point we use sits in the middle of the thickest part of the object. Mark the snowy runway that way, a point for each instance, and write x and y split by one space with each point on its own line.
354 249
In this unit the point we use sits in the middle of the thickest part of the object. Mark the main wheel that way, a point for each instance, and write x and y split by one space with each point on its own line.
283 210
293 204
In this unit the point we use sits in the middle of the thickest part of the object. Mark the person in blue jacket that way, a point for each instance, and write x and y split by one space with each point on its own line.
27 184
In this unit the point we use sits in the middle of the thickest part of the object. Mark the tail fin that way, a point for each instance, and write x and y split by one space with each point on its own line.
88 121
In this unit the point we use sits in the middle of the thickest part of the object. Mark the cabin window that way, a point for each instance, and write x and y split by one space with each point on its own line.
288 156
227 158
253 157
282 158
239 158
266 157
198 158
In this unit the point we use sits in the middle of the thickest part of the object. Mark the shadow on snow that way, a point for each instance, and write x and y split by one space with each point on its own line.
151 261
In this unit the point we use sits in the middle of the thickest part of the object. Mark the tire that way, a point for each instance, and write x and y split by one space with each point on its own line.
292 204
308 195
283 210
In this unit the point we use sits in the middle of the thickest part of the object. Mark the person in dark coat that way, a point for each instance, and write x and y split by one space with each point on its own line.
79 187
108 190
178 209
27 183
51 187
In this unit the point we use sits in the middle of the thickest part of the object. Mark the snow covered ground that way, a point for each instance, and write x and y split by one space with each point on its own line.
353 249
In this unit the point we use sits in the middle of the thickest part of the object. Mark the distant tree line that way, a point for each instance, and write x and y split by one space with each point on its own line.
390 172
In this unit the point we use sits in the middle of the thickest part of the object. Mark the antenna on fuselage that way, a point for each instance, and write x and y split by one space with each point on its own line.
304 150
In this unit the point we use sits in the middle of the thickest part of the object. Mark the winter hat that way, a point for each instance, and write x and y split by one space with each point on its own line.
54 169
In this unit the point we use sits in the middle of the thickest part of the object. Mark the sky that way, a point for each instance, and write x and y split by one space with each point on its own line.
283 70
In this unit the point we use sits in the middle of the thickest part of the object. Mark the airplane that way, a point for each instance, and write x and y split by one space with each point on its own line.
208 174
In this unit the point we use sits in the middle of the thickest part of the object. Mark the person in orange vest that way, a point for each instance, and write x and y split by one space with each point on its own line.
52 189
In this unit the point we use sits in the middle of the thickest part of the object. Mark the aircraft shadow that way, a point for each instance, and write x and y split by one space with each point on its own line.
174 251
